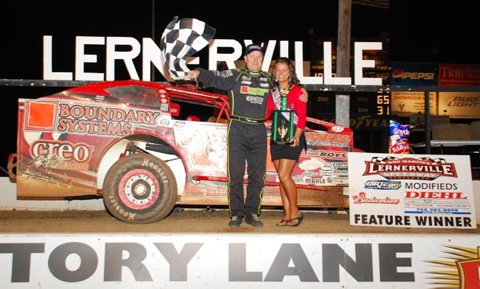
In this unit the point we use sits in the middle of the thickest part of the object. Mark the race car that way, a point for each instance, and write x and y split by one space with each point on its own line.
146 147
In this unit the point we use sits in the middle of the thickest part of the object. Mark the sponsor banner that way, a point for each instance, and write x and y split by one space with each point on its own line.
412 102
459 104
414 73
411 191
239 261
458 74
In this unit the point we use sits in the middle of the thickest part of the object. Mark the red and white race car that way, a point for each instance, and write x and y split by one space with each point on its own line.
125 141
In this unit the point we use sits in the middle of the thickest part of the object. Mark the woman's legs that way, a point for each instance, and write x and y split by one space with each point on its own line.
288 190
283 196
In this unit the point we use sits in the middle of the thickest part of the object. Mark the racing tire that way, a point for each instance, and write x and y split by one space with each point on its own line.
140 189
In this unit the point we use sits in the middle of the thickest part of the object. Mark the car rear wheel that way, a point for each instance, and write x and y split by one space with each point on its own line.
140 188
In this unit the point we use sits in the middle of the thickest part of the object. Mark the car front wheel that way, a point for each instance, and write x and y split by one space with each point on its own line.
140 188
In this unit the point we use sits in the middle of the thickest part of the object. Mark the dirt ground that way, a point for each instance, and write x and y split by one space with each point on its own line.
188 220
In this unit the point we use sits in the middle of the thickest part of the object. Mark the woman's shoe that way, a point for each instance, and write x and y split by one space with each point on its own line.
295 221
282 223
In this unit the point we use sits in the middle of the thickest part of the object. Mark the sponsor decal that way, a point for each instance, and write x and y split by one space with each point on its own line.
382 185
254 91
97 120
335 140
62 151
461 101
402 74
423 168
362 198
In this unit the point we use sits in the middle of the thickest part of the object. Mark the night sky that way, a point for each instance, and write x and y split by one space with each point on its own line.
420 31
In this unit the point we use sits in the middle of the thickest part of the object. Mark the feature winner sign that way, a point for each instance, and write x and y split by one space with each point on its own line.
421 191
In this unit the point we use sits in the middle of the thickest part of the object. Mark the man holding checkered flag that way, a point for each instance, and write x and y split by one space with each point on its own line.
247 89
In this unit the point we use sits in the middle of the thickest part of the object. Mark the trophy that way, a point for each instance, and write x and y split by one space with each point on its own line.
283 124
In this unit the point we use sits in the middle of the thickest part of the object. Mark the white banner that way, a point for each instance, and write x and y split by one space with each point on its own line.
239 261
406 190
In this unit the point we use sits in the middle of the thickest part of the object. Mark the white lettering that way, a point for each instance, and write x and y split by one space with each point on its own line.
151 54
360 63
81 58
126 56
327 58
48 73
214 56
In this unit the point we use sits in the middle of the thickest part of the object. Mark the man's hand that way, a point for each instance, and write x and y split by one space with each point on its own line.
193 74
304 96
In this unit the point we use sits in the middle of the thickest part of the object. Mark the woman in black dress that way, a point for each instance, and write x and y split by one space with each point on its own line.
286 90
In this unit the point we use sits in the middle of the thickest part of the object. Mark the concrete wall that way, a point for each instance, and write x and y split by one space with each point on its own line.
8 201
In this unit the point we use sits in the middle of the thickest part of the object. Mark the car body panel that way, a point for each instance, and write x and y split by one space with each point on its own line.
68 141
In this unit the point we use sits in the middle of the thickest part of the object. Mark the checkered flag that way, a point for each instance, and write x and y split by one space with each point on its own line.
383 159
434 161
181 39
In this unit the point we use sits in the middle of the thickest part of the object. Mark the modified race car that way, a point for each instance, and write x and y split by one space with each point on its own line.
146 147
